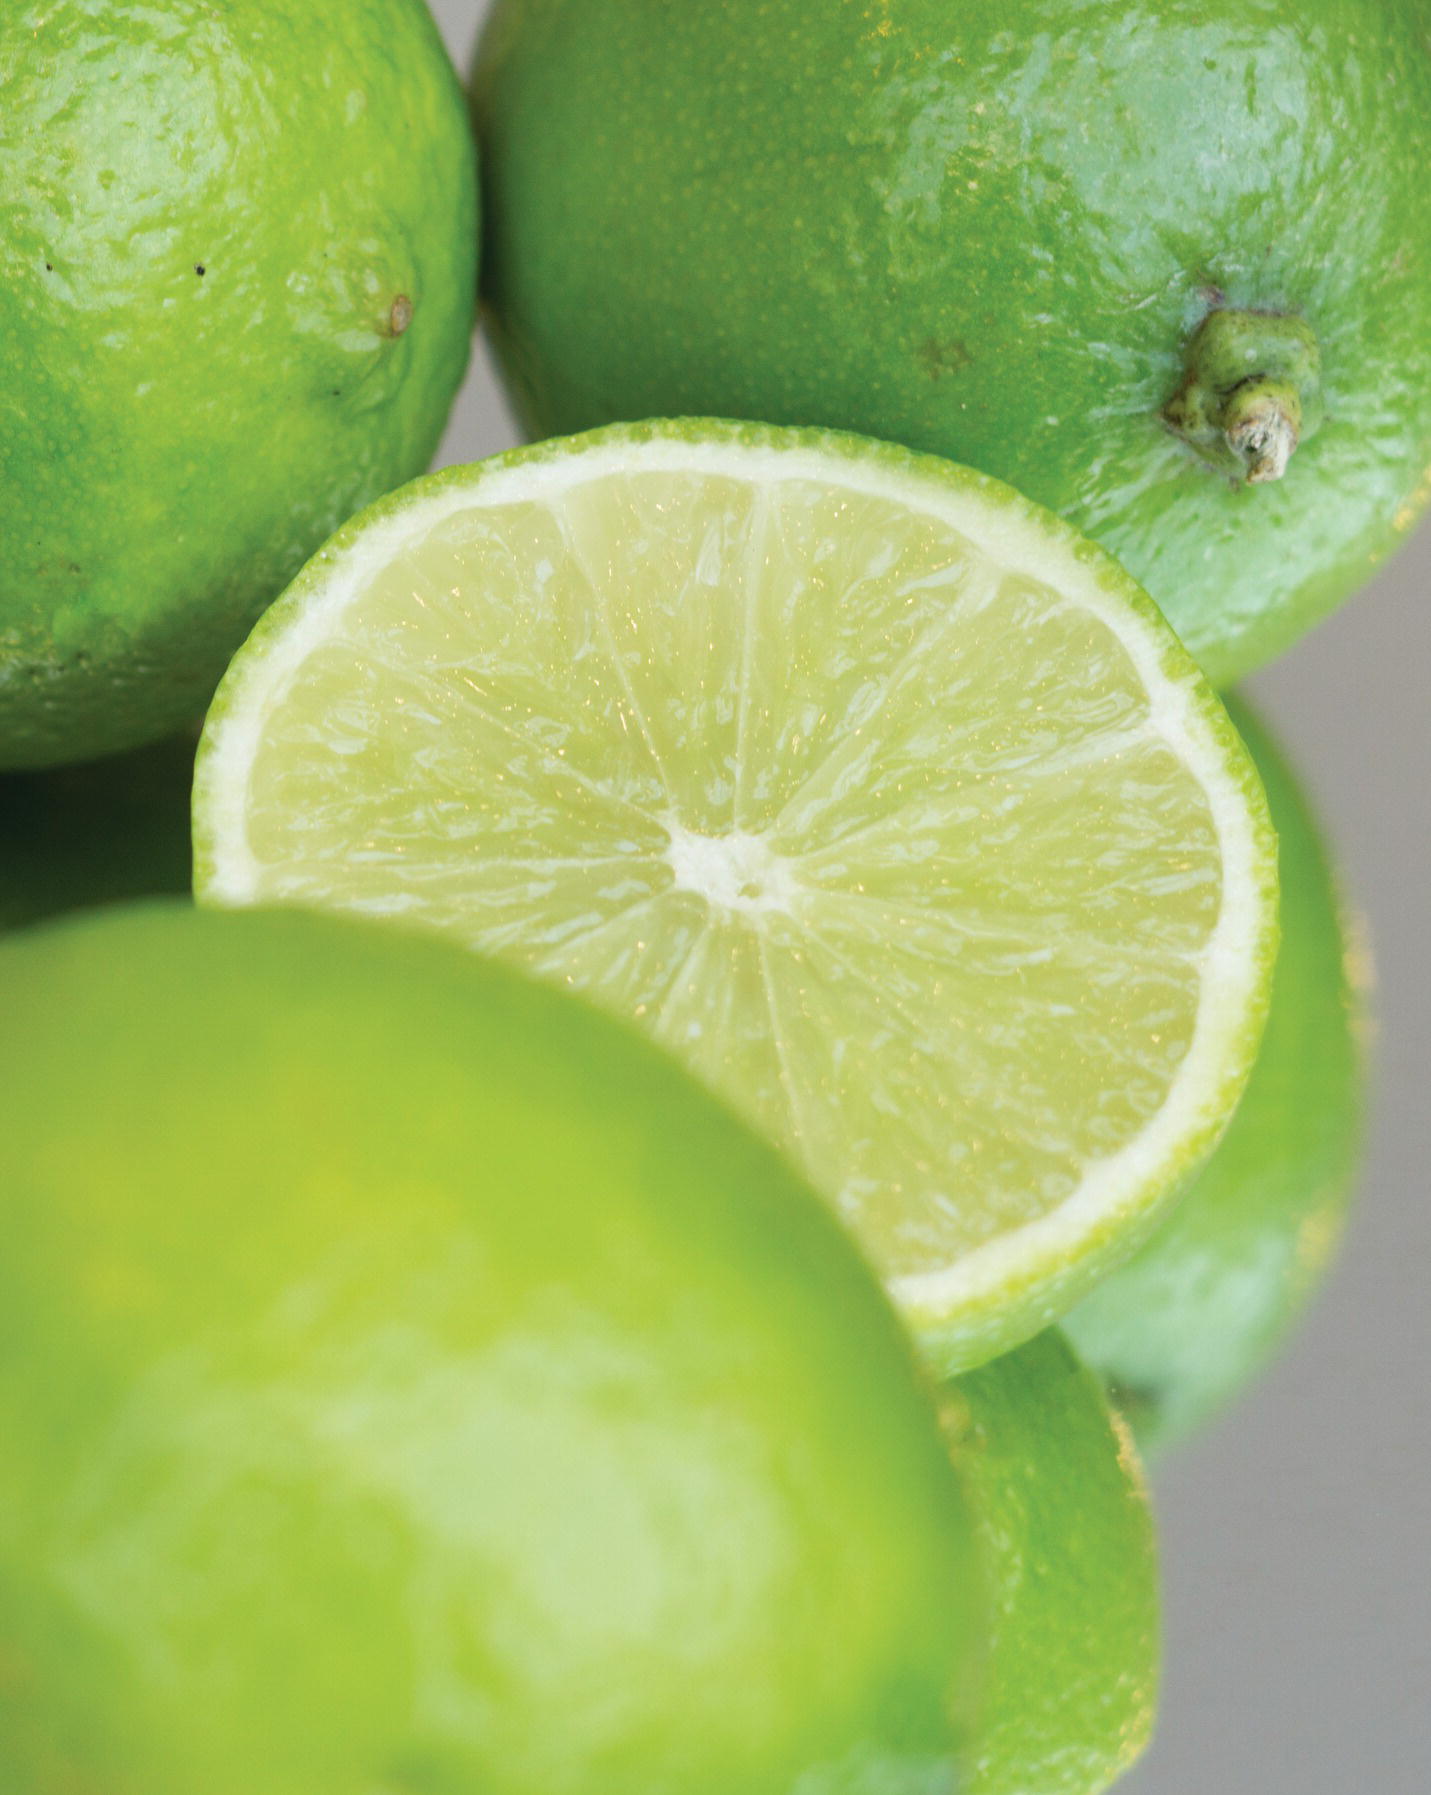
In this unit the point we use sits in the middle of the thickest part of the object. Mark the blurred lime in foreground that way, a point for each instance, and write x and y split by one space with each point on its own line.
1061 1510
1185 1323
237 278
410 1381
886 802
77 836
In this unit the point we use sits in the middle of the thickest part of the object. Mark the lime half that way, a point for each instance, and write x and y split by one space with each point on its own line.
885 801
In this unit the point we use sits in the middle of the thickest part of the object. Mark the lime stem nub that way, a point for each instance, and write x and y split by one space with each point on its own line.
1250 392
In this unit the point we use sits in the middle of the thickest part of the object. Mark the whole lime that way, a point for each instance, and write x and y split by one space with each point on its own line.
72 837
411 1381
1061 1511
237 271
1184 1324
1124 257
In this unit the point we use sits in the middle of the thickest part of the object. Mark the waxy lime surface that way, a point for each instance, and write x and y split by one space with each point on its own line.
410 1381
987 230
237 272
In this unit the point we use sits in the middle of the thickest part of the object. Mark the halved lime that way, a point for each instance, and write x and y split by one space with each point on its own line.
885 801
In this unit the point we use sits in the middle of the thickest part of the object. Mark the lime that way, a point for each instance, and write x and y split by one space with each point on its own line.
112 829
1061 1513
1186 1322
411 1381
236 288
883 800
1124 259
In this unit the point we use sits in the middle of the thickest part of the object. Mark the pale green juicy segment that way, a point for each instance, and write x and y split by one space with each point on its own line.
882 839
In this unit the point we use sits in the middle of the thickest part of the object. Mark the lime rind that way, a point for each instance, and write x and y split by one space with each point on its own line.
1009 1287
578 1446
1065 1524
1211 1298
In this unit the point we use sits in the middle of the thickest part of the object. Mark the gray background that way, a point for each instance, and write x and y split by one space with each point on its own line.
1297 1533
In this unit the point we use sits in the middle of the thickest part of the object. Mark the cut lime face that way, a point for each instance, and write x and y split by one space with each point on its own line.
883 800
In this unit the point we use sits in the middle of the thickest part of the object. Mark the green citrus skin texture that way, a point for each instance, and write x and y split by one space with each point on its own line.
1061 1508
410 1381
74 837
1184 1325
237 276
995 231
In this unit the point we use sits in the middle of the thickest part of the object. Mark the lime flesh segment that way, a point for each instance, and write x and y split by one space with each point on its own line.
878 796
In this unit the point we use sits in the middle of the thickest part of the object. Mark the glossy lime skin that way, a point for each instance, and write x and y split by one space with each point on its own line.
410 1381
208 214
987 230
1060 1504
75 837
1186 1323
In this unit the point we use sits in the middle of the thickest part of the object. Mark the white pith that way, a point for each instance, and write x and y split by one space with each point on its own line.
733 871
738 872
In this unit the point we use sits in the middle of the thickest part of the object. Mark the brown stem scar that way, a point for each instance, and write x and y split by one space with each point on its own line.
1250 392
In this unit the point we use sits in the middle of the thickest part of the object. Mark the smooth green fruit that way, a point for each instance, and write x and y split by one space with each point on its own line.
236 289
410 1381
1061 1512
78 836
883 800
1180 1328
995 230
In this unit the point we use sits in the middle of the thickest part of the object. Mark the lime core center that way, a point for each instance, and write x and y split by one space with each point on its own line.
731 872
